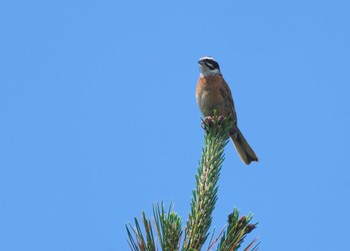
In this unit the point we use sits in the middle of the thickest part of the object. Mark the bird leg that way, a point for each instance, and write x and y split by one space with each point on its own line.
208 121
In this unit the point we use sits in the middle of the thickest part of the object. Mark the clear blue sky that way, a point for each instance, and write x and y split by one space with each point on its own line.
99 119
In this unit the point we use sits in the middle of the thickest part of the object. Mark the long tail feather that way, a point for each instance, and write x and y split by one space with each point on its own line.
244 150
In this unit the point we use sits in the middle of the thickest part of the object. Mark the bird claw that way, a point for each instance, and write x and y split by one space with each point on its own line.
207 121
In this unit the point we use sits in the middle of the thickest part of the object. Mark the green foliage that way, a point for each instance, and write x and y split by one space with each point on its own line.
205 194
168 225
169 228
236 231
139 243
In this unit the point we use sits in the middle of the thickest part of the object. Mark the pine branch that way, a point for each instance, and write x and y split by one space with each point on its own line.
236 231
168 226
205 194
139 243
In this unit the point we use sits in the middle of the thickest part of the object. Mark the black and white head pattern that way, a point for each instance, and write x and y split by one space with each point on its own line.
209 66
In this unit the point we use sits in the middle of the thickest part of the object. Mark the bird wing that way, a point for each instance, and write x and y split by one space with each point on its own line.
227 95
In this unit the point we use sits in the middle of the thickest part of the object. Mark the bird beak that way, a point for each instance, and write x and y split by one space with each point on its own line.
200 62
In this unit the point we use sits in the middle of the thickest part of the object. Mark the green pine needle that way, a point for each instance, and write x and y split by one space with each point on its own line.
137 242
169 228
168 224
205 194
236 232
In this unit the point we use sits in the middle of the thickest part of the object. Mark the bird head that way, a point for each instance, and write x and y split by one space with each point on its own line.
208 67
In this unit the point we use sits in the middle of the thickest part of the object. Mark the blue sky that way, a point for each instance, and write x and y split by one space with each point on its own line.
99 119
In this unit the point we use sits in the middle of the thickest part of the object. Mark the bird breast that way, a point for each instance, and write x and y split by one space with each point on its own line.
210 97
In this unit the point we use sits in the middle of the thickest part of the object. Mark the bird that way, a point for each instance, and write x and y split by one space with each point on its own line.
213 93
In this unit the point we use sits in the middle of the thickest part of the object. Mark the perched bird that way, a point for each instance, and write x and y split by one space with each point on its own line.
213 93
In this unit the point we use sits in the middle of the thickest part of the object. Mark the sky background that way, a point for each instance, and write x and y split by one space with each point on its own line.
99 119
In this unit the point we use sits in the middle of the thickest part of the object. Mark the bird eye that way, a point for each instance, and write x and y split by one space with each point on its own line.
210 66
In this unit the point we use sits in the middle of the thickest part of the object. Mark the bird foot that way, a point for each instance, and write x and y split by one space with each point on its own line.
207 121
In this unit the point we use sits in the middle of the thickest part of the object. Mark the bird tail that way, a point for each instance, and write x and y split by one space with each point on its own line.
244 151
